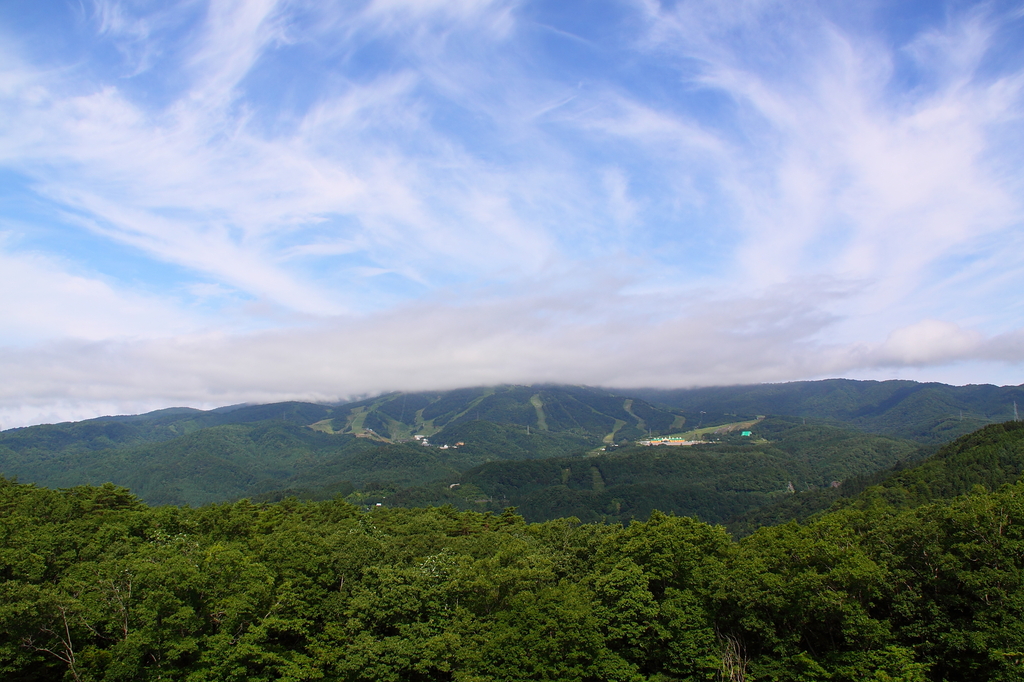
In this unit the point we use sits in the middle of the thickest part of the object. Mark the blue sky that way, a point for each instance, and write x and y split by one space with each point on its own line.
213 202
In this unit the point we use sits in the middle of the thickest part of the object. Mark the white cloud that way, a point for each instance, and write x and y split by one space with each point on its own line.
417 208
929 342
201 186
838 173
595 335
234 35
41 300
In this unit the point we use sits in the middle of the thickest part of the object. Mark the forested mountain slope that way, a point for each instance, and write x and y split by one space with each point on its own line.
595 415
97 586
714 481
925 412
988 458
227 462
181 455
186 456
585 411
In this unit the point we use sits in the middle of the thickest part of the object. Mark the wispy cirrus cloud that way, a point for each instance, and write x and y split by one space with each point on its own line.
198 184
837 171
487 191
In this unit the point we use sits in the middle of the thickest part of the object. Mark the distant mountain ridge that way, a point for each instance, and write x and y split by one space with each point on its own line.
926 412
583 410
189 456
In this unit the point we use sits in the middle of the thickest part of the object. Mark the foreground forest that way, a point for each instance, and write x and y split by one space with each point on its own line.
917 577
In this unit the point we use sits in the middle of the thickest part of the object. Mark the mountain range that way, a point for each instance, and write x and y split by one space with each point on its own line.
549 450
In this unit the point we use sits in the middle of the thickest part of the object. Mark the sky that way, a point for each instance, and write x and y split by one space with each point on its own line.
211 202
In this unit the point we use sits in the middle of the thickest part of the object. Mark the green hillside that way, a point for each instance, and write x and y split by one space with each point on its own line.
228 462
557 409
512 435
185 456
714 481
925 412
986 459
